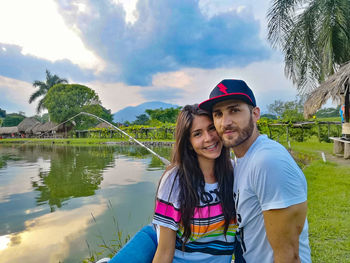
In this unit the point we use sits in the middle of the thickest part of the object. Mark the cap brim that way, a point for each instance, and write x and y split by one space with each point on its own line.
208 104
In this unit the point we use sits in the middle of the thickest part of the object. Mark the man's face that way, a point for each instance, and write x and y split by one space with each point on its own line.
234 121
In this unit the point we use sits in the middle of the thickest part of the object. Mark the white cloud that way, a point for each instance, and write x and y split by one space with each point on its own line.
265 78
116 96
16 94
40 30
130 9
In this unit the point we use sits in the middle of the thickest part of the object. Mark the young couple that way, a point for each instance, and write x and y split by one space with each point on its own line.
209 207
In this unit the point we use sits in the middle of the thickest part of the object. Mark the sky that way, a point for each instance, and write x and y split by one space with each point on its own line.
134 51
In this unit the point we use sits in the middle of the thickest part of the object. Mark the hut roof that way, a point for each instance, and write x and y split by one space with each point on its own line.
333 88
103 125
30 129
27 123
8 130
45 127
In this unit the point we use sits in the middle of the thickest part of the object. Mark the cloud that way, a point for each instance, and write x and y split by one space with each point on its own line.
265 78
15 95
167 36
38 28
116 96
13 64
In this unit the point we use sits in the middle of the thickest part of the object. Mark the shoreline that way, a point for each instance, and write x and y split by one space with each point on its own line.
84 141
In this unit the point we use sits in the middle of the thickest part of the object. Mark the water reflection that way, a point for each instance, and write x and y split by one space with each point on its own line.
74 172
47 195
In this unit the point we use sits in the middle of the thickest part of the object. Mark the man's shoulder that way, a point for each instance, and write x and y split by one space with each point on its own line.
267 148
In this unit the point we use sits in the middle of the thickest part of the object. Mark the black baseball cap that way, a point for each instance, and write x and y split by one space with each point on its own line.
229 89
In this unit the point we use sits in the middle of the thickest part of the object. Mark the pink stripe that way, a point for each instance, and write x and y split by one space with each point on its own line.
203 212
168 211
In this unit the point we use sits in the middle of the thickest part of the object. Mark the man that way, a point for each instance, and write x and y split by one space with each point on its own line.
270 190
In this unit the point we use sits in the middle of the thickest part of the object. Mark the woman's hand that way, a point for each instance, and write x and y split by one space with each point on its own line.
166 246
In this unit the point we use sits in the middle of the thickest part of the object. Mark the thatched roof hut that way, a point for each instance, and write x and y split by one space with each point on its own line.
46 127
30 129
334 87
104 125
27 123
8 130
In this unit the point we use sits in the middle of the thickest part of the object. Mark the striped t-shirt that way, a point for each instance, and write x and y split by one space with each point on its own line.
207 242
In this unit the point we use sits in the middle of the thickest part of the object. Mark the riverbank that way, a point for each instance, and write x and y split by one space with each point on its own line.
86 141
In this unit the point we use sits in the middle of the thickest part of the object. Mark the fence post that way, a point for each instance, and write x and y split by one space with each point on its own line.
287 130
268 126
302 133
329 129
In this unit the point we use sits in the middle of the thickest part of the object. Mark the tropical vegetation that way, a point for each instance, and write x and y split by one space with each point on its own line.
13 119
314 36
63 101
43 89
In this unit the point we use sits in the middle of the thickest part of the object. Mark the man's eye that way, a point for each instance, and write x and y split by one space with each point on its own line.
217 114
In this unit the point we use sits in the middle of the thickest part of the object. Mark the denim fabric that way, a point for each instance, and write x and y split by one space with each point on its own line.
140 249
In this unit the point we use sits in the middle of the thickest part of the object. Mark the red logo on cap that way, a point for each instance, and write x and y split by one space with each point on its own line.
222 88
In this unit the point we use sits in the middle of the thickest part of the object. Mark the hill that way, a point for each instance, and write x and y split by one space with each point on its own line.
130 113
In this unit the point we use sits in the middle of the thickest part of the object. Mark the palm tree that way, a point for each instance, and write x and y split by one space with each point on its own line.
44 87
314 36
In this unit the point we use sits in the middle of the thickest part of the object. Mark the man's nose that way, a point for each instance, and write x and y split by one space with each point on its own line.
226 120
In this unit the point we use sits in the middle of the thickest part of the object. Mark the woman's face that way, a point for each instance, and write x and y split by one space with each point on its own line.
204 138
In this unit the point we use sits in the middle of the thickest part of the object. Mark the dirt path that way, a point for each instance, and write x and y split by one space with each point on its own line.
337 159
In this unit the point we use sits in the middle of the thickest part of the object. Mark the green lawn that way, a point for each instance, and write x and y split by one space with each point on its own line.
328 201
329 211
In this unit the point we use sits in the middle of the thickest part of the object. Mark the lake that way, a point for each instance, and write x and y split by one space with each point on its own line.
48 195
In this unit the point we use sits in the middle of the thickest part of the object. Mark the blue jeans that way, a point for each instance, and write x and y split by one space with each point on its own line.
140 249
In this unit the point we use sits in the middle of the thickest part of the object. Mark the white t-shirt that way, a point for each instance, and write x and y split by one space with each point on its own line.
207 243
266 177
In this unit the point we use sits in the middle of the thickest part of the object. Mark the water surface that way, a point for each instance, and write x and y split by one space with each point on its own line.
50 194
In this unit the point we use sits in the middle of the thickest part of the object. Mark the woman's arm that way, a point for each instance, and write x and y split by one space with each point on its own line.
166 246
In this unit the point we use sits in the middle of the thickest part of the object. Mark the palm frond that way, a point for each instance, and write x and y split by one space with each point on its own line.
280 19
36 95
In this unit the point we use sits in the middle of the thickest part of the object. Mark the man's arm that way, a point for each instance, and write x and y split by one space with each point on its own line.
283 227
166 246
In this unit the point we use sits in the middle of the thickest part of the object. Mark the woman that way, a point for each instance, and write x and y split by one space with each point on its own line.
194 213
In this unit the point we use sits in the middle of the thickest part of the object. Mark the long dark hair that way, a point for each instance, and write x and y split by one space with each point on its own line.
190 176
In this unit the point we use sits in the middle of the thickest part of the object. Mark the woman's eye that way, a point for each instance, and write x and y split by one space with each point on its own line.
196 134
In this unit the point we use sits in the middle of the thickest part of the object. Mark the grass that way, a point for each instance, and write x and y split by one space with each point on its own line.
328 201
329 211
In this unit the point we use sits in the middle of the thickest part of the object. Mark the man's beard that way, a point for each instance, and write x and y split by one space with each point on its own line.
243 134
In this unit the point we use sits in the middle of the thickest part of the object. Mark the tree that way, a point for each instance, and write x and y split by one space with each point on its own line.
43 118
44 87
328 112
63 101
314 36
12 119
2 113
276 108
141 119
164 115
289 110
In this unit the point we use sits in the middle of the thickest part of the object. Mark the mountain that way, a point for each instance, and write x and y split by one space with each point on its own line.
130 113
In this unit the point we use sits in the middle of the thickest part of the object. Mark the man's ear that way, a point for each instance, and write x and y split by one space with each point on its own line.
256 114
